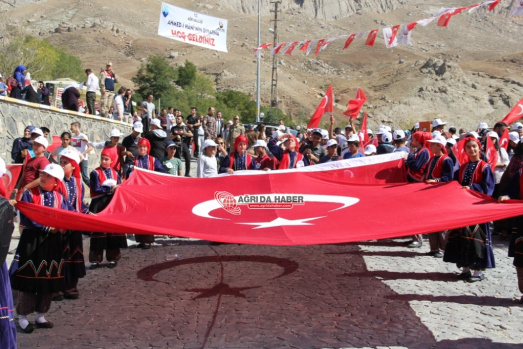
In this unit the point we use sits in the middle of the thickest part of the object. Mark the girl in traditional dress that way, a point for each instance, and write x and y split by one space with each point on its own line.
438 170
74 267
288 156
239 159
471 247
39 273
104 181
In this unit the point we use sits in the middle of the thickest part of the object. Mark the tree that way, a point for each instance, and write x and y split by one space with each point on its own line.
156 77
186 74
242 102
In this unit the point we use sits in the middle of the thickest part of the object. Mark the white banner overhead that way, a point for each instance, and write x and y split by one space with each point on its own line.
193 28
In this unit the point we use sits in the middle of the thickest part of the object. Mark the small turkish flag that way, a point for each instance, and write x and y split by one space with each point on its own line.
503 141
305 45
364 136
325 106
492 154
320 44
354 105
371 38
515 114
494 4
394 33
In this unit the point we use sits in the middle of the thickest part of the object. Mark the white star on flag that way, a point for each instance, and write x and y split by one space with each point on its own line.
280 222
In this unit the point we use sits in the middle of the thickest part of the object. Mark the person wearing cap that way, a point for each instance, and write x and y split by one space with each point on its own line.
440 169
314 151
182 135
332 151
518 127
385 147
513 141
235 130
207 164
170 163
130 144
416 163
80 143
482 126
399 138
471 247
502 163
65 137
113 147
263 161
74 265
353 145
158 139
40 246
438 125
118 106
370 150
286 151
107 83
238 160
20 146
32 167
514 190
104 181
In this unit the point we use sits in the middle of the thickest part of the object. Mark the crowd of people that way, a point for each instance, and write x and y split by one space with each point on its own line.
59 179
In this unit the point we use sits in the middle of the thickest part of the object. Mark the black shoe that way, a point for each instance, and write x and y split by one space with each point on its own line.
112 265
431 253
29 328
94 266
140 245
58 298
521 300
464 276
146 246
476 278
187 175
71 296
47 324
438 255
414 244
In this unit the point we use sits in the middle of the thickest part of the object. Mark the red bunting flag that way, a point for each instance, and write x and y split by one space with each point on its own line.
492 154
261 47
349 41
325 106
515 114
354 105
494 4
305 45
277 48
371 38
503 141
320 44
394 33
291 48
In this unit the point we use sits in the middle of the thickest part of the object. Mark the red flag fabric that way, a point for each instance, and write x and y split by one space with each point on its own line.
459 151
57 141
10 177
515 114
326 105
354 105
277 48
261 47
494 4
503 141
492 154
291 48
371 37
320 44
349 41
365 137
289 208
305 45
394 33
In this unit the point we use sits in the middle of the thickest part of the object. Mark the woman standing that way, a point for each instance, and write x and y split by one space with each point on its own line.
471 247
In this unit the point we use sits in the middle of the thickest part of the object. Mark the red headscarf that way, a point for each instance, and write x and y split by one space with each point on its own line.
238 140
422 137
145 141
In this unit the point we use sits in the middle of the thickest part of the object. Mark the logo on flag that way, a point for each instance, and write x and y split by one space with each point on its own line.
228 202
165 11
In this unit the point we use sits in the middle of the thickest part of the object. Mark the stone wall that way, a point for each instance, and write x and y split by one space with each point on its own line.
15 115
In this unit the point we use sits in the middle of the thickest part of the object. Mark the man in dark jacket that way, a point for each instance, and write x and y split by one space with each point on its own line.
158 139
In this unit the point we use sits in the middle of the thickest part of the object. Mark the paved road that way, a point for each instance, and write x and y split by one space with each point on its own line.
190 294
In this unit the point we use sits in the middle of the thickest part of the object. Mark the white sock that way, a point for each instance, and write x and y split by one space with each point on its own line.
40 318
477 273
465 270
22 320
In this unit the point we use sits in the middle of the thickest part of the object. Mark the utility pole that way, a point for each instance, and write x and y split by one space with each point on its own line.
258 67
274 81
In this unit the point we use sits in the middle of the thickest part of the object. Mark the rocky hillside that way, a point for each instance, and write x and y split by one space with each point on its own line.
468 72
